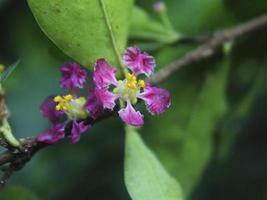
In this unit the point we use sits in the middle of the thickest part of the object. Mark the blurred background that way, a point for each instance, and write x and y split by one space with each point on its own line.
213 139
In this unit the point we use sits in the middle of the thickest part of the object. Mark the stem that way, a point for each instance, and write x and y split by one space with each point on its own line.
208 49
8 135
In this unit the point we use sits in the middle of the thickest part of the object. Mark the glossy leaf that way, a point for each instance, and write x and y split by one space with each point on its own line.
145 177
183 137
85 30
144 27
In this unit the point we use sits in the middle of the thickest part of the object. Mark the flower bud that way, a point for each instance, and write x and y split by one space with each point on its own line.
159 7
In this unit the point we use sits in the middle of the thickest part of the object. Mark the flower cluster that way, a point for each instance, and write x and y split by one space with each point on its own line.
66 110
107 93
108 89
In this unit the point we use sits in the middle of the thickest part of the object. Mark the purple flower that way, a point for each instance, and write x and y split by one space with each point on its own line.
48 110
130 116
104 75
57 132
98 100
94 105
138 62
157 99
73 76
109 89
77 129
53 135
73 109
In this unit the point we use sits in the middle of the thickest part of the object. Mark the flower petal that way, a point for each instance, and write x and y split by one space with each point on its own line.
130 116
157 99
53 135
104 74
73 76
99 99
78 128
48 109
94 105
139 62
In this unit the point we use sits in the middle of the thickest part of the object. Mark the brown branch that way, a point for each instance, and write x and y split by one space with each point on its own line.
19 157
6 176
209 47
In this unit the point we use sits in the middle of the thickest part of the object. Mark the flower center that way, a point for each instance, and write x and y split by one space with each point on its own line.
129 88
132 82
73 107
63 102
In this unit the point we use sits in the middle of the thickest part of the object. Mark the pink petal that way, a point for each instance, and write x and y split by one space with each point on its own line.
53 135
104 74
73 76
130 116
139 62
157 99
99 99
48 110
78 128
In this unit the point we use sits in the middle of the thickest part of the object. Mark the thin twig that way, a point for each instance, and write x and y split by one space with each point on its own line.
209 47
17 159
6 176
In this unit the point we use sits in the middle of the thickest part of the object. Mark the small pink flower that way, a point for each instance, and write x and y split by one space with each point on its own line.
109 89
73 76
157 99
104 75
72 108
78 128
139 62
130 116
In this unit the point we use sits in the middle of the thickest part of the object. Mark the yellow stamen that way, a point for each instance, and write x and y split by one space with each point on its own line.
58 107
131 85
58 99
141 83
133 78
68 97
132 81
128 76
61 102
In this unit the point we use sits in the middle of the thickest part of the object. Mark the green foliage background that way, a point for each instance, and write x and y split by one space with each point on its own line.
212 140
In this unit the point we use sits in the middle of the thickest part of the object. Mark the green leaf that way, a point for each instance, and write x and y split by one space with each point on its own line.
183 136
144 27
194 16
86 29
4 75
145 177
